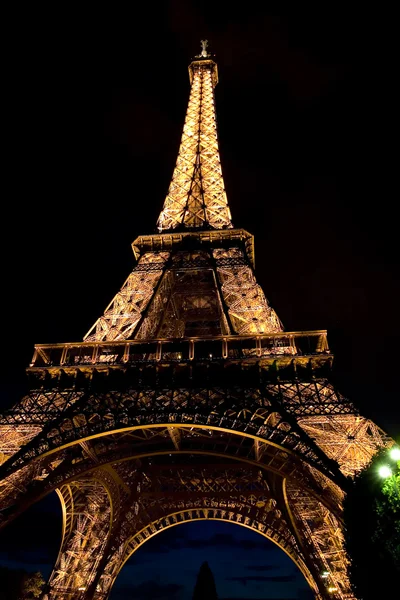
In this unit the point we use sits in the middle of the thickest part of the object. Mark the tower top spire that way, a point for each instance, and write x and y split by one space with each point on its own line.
196 197
204 52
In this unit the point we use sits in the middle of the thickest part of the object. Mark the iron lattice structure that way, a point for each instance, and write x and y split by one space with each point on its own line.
187 400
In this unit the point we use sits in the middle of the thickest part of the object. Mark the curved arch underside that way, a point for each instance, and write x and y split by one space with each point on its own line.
150 495
282 539
307 418
111 510
120 471
299 427
45 474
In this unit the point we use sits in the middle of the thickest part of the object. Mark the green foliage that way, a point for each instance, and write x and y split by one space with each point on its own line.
387 532
32 586
372 521
17 584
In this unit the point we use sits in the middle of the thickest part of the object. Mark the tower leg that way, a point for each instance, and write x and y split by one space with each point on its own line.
86 525
321 536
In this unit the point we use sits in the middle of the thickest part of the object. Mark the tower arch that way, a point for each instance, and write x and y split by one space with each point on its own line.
189 516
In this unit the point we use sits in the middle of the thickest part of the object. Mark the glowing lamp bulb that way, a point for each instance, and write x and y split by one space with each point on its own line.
385 471
395 453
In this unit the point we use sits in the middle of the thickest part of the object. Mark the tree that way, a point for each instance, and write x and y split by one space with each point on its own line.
17 584
205 585
372 529
32 585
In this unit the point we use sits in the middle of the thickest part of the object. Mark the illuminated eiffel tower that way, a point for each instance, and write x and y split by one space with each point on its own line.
187 400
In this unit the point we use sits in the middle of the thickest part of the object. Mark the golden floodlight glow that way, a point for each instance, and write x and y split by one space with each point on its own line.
188 401
196 196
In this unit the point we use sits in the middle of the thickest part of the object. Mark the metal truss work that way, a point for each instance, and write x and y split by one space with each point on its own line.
322 538
186 401
124 311
273 425
195 293
163 493
268 412
351 440
196 196
248 308
284 453
187 301
250 430
231 493
87 514
13 437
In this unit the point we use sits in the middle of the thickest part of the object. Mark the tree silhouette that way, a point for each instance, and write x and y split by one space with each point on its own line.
17 584
205 585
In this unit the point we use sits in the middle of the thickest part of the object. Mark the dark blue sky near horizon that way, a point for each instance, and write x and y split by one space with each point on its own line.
244 564
94 108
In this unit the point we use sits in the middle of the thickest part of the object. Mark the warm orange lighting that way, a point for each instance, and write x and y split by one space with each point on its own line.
257 436
196 196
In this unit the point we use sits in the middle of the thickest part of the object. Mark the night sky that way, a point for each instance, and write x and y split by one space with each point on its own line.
94 108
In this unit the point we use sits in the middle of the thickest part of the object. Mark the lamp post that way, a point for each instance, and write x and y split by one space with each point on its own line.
385 471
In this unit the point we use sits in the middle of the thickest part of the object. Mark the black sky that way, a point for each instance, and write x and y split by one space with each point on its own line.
94 109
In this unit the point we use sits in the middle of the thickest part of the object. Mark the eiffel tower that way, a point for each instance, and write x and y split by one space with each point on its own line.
187 400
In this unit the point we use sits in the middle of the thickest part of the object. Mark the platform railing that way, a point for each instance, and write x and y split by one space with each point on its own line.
303 343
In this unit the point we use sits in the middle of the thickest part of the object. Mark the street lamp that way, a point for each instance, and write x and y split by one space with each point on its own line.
395 453
385 471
